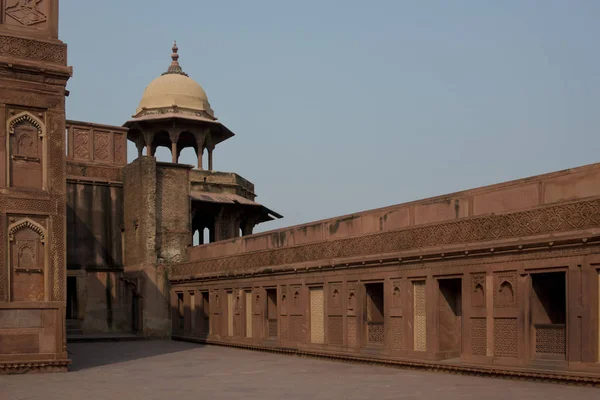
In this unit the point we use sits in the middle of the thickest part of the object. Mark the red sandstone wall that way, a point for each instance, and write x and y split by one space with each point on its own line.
32 191
173 218
522 194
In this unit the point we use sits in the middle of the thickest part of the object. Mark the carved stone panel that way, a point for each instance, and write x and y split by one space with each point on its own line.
295 302
81 144
478 290
506 342
120 147
352 302
396 333
27 261
397 294
420 317
335 302
478 336
317 316
26 154
335 327
102 148
248 304
27 13
505 289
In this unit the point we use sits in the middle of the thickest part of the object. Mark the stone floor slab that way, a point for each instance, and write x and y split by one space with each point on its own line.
178 370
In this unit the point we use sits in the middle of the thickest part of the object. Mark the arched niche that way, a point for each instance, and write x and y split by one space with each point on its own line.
28 260
351 301
478 297
335 297
506 293
396 296
27 152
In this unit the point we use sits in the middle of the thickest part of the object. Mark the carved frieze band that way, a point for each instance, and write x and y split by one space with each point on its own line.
564 217
93 171
34 50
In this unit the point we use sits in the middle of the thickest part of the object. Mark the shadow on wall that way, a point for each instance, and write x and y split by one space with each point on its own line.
90 355
101 296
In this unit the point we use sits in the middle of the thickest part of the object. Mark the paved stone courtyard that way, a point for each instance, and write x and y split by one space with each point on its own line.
177 370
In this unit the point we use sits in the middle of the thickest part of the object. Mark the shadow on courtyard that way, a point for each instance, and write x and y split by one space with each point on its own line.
91 355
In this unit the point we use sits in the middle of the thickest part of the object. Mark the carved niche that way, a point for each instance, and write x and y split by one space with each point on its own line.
27 241
478 290
505 289
396 294
26 151
29 13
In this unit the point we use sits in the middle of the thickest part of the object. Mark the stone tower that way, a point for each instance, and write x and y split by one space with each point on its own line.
166 203
33 76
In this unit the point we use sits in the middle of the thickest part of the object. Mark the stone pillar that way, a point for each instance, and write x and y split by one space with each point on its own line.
200 145
174 136
148 138
139 144
210 158
174 154
200 152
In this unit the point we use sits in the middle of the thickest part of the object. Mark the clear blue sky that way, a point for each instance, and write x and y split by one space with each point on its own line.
343 106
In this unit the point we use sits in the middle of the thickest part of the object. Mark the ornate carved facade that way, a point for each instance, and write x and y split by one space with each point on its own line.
500 278
33 75
494 286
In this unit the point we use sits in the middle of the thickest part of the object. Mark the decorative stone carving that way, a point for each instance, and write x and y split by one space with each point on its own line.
81 145
120 150
27 260
505 289
579 215
396 333
396 295
478 336
34 50
478 290
420 316
506 337
101 150
26 168
317 316
26 224
26 12
335 331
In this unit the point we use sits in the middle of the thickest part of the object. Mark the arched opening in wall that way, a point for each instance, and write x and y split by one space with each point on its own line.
241 232
196 238
188 156
144 151
375 313
206 235
548 305
163 154
450 316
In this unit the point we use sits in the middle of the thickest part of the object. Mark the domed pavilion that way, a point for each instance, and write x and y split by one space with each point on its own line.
174 112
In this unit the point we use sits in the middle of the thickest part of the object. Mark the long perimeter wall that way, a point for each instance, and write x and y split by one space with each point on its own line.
500 277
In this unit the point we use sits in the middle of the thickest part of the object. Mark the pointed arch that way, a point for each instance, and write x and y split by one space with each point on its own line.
25 117
26 223
506 293
40 126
